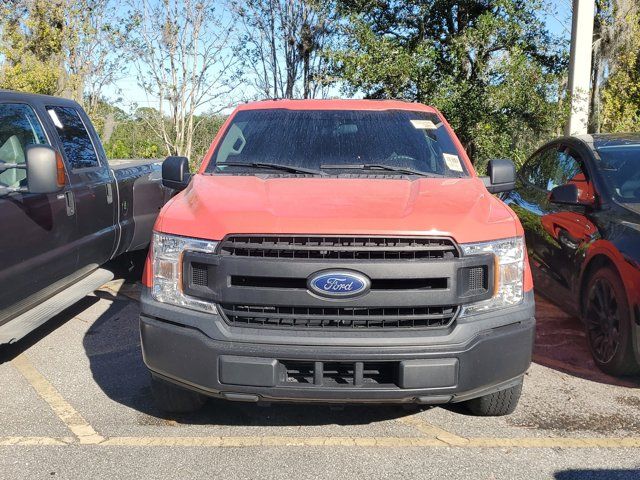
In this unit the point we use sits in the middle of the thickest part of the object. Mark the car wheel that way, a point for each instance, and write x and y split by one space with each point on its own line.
502 402
174 399
608 322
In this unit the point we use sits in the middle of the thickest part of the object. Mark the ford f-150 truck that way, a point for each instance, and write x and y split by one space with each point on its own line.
337 251
64 210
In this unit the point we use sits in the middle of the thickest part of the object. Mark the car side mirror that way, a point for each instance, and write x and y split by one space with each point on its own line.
45 170
501 176
175 173
565 194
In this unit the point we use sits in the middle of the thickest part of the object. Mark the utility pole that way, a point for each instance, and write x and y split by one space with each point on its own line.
580 66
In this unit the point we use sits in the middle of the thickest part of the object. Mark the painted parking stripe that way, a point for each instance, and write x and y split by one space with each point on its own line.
432 431
63 409
355 442
433 436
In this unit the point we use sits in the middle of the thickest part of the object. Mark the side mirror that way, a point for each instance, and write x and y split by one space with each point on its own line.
502 176
175 173
565 194
45 170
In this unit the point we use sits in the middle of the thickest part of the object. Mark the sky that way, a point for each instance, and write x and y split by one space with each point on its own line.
128 94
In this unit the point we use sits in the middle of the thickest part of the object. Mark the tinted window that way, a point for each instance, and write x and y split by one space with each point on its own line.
76 141
311 139
620 166
550 169
19 128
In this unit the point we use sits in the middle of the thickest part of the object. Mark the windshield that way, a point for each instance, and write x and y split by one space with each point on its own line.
337 142
620 166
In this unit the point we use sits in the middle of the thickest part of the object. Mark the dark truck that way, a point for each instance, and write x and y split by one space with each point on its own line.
64 210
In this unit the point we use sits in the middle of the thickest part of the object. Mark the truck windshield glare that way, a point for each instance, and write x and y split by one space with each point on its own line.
344 142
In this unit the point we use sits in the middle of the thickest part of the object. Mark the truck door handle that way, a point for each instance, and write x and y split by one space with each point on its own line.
109 194
71 204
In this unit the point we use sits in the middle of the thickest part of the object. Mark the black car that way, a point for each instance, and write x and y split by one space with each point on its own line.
578 199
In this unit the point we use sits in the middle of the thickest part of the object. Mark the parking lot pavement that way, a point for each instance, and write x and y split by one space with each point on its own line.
75 403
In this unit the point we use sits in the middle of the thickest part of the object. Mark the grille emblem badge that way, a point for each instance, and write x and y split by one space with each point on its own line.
338 283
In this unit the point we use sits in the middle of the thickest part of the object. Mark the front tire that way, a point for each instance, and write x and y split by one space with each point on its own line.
497 404
608 322
174 399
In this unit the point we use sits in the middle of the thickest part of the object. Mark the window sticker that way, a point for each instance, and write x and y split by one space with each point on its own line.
424 124
453 162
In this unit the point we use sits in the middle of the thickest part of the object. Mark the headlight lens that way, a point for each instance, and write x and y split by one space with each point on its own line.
166 258
509 254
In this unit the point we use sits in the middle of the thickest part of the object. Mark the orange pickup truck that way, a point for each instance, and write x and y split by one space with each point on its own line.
337 251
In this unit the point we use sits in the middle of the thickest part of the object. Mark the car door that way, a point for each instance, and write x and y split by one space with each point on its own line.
529 201
570 225
93 184
38 254
556 234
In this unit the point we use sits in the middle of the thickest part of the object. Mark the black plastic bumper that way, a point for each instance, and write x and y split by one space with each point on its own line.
479 355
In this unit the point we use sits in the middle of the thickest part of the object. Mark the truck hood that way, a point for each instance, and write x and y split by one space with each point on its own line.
215 206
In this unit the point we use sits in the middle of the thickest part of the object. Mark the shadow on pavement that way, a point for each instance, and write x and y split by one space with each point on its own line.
561 344
598 475
112 345
11 351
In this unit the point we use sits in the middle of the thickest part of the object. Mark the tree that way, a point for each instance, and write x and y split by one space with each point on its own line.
96 49
280 44
490 66
32 44
621 89
615 28
181 51
61 47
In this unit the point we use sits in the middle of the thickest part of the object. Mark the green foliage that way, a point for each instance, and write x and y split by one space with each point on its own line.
621 91
31 75
31 44
490 66
132 137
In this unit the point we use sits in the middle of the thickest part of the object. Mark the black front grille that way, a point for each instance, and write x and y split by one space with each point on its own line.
339 317
336 374
301 283
261 281
338 247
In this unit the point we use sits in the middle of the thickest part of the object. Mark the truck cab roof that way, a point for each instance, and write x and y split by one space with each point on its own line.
336 104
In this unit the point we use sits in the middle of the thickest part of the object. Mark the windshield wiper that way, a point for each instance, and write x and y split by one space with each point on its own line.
272 166
379 166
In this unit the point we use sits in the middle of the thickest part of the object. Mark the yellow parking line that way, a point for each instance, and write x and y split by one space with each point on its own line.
433 431
64 411
374 442
435 436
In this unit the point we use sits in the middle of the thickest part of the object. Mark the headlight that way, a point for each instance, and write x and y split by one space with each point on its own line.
166 258
509 273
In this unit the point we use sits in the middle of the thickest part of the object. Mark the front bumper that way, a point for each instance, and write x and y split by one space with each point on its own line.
479 355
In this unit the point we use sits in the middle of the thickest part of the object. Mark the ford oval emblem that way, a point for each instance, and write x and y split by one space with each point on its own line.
338 283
